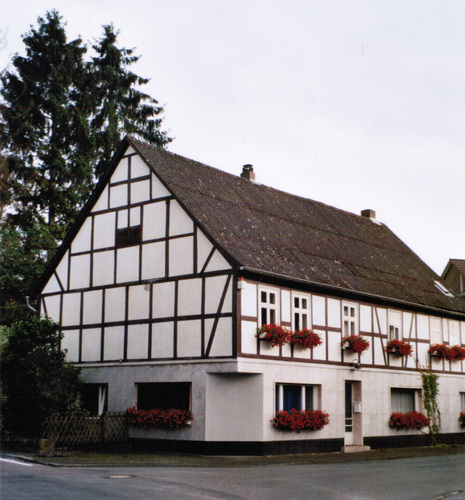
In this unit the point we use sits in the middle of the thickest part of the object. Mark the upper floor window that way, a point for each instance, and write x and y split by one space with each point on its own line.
436 331
349 319
268 307
128 236
300 312
394 325
454 333
462 401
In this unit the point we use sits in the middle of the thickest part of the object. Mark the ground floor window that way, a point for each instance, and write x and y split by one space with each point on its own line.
462 401
404 400
95 399
294 396
164 395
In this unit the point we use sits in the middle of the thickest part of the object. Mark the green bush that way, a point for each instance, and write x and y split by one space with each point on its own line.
36 380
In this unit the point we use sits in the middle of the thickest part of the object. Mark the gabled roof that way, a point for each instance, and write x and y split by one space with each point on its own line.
459 264
267 231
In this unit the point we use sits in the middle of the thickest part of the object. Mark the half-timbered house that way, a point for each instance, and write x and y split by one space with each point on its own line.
171 267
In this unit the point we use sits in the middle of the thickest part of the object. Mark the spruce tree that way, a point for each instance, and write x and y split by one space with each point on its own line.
44 135
120 108
61 119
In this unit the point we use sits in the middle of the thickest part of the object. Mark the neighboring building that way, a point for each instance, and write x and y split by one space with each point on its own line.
454 276
171 267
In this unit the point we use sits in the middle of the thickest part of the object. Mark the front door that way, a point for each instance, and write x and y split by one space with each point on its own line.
349 414
353 434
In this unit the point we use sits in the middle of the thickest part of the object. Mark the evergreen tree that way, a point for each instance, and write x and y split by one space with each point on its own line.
120 108
45 133
61 119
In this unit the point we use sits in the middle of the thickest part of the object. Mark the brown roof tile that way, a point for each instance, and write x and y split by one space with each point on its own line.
269 231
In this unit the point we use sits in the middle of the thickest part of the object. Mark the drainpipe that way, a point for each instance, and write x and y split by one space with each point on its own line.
30 306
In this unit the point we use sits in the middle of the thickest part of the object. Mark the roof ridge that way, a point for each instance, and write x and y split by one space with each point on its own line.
240 179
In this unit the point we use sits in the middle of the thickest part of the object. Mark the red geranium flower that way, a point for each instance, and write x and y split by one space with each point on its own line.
305 338
273 334
399 348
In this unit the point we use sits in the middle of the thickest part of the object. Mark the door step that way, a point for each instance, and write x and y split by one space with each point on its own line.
352 448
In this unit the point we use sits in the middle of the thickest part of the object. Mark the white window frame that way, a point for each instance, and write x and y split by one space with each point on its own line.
435 329
394 325
462 401
280 389
349 311
268 307
454 333
301 316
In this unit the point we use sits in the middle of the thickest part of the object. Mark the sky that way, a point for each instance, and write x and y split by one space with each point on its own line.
357 104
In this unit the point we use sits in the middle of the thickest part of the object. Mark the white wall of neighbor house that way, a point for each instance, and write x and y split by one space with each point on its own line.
96 283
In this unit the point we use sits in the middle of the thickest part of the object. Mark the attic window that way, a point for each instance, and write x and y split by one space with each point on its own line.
128 236
443 289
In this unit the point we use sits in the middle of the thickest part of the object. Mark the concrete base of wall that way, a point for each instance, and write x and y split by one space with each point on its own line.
354 449
247 448
406 441
256 448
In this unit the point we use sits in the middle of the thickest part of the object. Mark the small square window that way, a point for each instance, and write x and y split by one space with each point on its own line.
394 322
128 236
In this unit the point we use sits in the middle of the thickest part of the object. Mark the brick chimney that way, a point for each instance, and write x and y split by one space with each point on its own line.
369 214
247 172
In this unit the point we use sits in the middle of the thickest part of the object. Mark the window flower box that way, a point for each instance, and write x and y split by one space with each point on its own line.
442 351
297 421
159 419
355 344
409 420
305 338
399 348
456 352
273 334
462 419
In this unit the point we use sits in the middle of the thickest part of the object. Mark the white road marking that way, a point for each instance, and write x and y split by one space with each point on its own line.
13 461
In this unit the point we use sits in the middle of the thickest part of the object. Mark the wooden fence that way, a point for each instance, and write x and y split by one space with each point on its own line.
76 431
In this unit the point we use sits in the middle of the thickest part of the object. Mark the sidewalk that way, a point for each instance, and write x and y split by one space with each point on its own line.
137 459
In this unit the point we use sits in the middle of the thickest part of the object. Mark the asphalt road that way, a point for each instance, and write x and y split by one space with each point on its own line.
421 478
